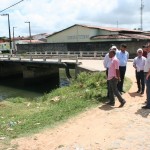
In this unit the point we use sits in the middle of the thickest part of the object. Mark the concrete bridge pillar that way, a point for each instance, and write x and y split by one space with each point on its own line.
8 69
41 75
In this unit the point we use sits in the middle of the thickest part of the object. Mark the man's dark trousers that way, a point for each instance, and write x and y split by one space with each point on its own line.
107 83
148 92
140 80
113 90
122 70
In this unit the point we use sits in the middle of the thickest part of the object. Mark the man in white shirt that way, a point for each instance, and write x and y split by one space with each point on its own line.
138 64
147 72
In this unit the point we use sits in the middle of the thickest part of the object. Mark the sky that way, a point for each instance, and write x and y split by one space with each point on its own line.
48 16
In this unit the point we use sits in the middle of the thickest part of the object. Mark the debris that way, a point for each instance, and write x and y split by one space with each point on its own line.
9 129
37 124
12 123
2 138
28 104
55 99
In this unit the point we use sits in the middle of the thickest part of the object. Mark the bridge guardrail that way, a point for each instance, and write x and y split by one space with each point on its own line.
39 57
79 53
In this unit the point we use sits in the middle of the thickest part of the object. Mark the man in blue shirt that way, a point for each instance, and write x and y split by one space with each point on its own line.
123 57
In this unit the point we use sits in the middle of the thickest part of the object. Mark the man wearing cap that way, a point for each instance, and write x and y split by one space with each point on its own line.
106 64
138 64
113 78
147 73
123 57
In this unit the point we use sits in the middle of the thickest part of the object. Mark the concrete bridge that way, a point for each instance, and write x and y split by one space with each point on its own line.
36 69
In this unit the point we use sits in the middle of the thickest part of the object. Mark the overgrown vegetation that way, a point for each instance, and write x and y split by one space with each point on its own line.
21 116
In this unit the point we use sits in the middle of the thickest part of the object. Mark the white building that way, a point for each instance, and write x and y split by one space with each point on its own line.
83 33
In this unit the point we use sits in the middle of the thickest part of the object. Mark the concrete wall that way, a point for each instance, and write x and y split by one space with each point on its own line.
23 48
8 69
32 73
97 46
36 74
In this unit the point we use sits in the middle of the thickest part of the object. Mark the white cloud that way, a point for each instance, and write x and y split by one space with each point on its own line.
53 15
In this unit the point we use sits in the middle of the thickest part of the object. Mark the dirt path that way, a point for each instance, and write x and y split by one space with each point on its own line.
102 128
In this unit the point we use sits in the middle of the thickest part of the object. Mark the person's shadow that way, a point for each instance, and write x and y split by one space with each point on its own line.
143 112
134 94
106 107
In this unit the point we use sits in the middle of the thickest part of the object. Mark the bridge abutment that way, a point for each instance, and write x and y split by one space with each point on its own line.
31 73
41 75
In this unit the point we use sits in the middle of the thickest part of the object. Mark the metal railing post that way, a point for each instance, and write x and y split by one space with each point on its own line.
8 57
95 54
20 58
81 53
59 58
77 59
31 58
44 58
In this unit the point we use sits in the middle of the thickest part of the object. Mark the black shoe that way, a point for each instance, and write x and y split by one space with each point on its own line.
110 103
122 103
146 107
120 92
123 91
142 93
107 96
138 91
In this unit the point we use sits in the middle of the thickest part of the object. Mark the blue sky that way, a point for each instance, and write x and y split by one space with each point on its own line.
48 16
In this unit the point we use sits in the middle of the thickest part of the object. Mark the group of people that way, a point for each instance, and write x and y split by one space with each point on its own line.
115 63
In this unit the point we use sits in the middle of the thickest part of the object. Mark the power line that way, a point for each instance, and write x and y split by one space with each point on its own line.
11 6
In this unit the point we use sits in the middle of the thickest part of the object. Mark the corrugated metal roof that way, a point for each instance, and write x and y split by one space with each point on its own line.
110 37
122 36
32 41
113 29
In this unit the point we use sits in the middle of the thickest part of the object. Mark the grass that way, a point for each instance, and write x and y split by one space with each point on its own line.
19 116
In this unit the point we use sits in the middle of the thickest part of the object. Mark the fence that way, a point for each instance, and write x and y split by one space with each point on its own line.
80 54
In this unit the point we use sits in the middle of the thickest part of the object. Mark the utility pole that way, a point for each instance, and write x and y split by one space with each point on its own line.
8 28
117 23
29 30
14 39
141 8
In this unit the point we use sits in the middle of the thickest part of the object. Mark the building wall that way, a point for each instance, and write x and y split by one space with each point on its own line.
73 34
77 34
90 46
4 46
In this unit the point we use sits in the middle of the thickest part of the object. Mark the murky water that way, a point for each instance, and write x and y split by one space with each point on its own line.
14 87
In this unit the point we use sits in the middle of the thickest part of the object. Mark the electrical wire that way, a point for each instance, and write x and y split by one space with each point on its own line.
11 6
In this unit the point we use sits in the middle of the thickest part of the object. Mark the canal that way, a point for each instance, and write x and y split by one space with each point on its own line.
10 88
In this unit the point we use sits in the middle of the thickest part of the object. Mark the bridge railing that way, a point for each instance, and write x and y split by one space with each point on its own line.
80 54
39 57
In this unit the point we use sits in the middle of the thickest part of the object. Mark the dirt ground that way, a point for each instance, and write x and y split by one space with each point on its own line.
101 128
